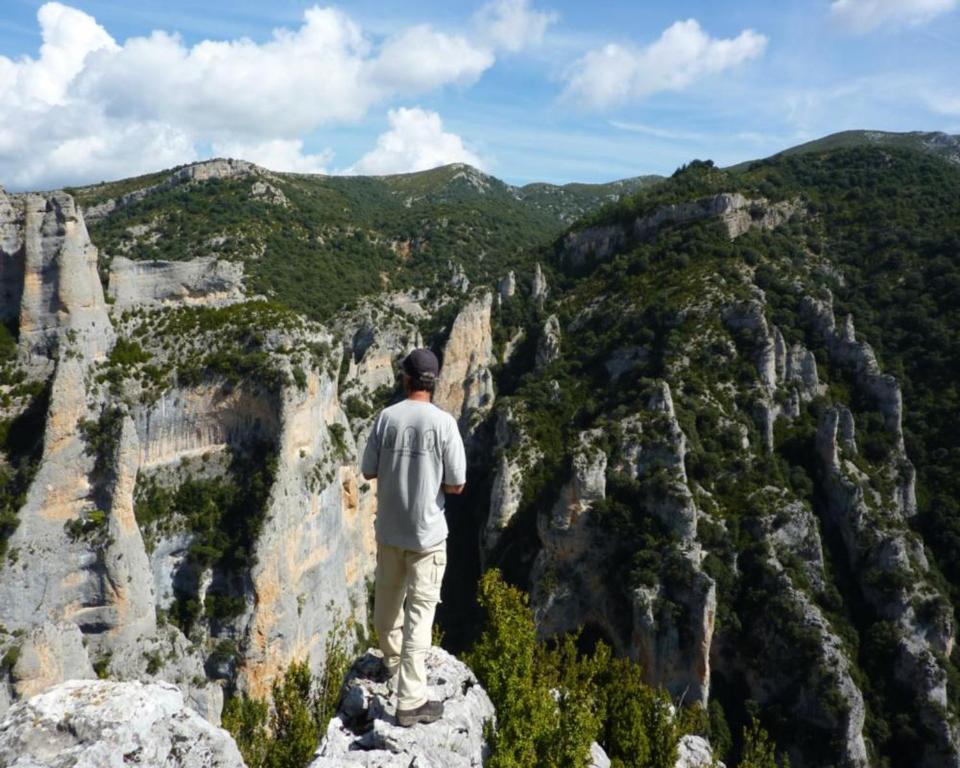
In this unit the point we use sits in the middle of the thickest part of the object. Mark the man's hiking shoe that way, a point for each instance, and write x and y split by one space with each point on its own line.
427 712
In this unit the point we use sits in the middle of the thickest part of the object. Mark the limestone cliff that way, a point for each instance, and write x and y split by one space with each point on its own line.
207 280
571 585
465 386
737 213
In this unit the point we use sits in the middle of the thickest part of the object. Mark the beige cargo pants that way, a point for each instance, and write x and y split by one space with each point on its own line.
405 597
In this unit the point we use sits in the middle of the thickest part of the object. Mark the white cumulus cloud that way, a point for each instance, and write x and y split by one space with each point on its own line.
861 16
416 141
512 25
614 74
87 107
421 58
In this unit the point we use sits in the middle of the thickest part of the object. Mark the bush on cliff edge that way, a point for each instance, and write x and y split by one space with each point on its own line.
552 702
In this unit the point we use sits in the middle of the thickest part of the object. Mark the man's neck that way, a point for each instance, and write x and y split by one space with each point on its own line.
420 396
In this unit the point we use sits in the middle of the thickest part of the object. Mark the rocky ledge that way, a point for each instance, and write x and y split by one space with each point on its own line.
102 723
364 733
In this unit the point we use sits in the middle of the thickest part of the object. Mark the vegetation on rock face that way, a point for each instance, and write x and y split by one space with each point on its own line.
285 732
21 446
878 227
224 516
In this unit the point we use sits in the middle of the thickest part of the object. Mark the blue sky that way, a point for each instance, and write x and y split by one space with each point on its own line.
526 89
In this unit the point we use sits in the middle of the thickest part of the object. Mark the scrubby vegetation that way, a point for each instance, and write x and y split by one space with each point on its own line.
879 229
552 702
284 732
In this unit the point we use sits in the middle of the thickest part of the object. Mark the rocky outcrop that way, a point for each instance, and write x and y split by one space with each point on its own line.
788 376
859 357
262 190
364 733
96 722
191 421
50 654
516 454
63 318
375 340
593 244
548 345
11 256
205 281
507 286
823 694
458 278
694 752
570 586
737 213
465 385
61 299
81 559
893 576
538 288
218 168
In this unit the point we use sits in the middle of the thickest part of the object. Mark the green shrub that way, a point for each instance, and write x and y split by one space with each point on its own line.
286 734
759 751
552 702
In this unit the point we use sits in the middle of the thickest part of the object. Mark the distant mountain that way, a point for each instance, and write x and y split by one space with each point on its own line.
571 201
944 145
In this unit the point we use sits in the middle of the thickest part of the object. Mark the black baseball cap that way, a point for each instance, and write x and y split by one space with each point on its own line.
421 364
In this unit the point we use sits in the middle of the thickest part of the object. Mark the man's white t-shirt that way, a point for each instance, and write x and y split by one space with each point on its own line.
414 446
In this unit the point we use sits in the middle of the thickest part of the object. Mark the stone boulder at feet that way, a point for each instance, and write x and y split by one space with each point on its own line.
364 733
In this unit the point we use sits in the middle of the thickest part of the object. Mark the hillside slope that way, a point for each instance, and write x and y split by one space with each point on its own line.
734 452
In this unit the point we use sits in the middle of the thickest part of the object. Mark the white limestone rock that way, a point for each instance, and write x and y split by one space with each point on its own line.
465 385
364 733
737 213
548 346
538 289
88 723
50 654
204 281
217 168
317 532
694 752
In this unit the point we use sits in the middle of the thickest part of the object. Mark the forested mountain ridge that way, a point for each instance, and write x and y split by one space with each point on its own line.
453 221
713 423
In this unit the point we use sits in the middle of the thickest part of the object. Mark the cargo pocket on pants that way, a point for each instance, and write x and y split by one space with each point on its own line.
435 571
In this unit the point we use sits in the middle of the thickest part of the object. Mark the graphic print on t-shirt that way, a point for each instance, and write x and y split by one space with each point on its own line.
411 442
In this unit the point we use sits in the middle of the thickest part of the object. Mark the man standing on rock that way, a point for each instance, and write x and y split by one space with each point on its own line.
416 454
